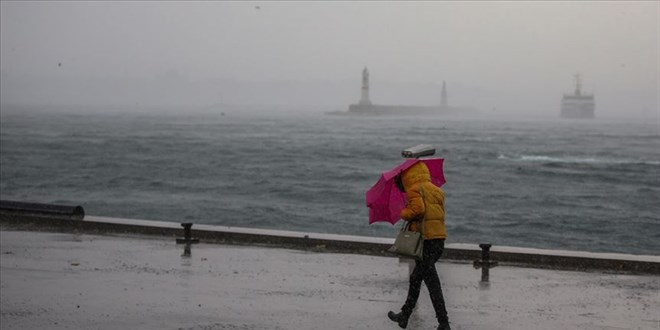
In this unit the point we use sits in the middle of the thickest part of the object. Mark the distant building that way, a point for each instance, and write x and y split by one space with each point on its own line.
365 106
578 105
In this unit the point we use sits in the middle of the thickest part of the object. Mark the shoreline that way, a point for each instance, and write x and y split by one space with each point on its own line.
333 243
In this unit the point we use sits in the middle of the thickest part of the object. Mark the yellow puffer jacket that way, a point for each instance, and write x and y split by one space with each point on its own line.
417 179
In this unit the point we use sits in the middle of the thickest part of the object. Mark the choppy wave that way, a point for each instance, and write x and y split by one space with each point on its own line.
578 160
530 184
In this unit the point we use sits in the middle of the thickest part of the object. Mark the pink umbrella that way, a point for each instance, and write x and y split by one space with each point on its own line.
384 199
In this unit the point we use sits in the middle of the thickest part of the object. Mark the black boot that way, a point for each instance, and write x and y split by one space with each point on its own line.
444 325
400 318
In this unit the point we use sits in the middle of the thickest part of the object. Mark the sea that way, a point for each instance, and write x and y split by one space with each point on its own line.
550 183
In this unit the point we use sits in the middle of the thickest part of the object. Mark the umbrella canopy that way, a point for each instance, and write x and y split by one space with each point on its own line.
384 199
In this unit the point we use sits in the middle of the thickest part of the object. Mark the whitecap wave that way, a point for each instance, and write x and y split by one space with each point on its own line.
579 160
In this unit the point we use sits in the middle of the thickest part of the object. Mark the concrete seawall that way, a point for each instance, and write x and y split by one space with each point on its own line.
522 257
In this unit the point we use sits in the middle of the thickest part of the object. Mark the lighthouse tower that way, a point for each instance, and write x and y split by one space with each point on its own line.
443 97
364 100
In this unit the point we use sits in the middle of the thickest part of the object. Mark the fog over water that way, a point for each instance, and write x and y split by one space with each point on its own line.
502 57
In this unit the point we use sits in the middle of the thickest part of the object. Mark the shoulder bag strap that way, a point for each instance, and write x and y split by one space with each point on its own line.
424 202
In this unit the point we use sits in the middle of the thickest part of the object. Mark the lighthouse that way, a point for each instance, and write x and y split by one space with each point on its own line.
364 100
365 107
443 97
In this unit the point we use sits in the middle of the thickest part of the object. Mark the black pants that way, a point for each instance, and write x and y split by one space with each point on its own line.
425 271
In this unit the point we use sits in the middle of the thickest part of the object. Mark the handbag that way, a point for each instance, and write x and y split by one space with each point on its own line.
410 243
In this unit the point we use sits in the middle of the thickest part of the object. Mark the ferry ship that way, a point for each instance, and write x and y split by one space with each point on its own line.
578 105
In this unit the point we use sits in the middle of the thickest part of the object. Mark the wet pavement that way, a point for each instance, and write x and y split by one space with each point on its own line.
69 281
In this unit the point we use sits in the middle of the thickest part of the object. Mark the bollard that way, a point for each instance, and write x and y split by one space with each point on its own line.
187 232
485 263
186 251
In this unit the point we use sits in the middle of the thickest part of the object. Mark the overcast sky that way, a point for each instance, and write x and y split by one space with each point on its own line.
499 56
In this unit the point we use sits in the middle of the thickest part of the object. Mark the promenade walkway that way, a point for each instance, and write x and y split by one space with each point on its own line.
71 281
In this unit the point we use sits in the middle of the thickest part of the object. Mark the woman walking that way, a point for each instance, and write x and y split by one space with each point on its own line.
425 209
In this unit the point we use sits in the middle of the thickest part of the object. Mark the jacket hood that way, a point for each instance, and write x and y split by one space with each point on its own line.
415 174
